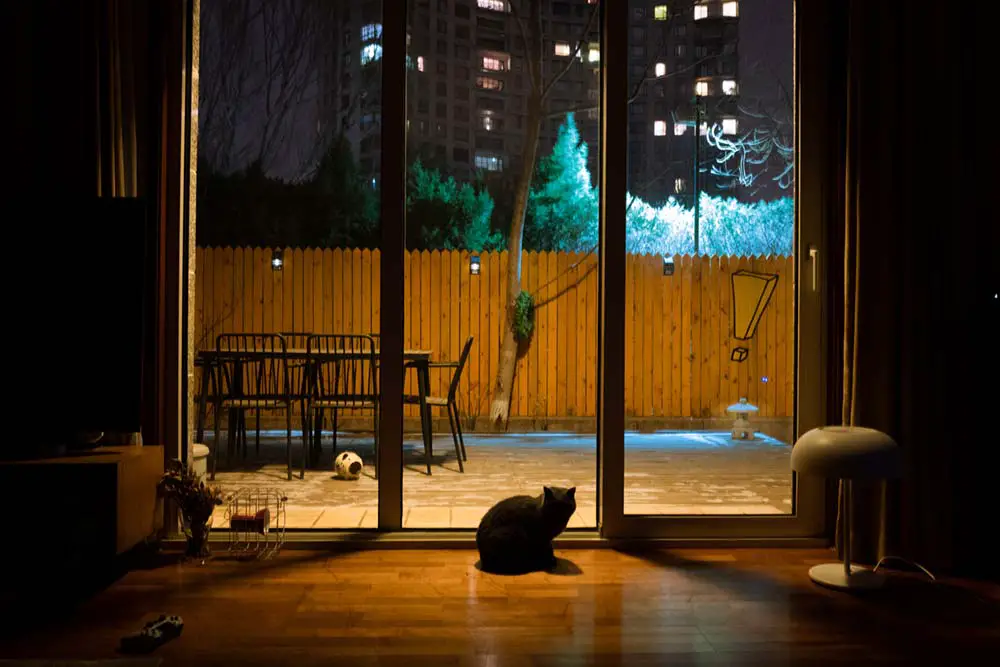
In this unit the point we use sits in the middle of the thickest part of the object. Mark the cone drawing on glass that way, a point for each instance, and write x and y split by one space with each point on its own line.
752 292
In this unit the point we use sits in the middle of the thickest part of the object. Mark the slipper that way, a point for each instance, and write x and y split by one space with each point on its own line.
153 634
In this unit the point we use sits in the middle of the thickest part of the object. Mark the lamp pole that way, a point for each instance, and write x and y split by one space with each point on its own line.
697 160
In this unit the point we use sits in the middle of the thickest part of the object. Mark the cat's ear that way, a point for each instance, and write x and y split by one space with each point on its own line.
548 493
571 493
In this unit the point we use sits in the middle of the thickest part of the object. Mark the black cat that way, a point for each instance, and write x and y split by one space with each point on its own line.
515 536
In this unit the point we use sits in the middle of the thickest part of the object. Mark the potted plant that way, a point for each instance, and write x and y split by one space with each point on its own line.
196 503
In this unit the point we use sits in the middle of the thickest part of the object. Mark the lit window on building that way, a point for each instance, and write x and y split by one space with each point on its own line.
661 13
730 126
486 120
660 69
493 5
731 8
728 87
371 31
659 128
680 185
700 12
701 88
489 162
680 129
370 53
495 64
594 53
562 48
489 83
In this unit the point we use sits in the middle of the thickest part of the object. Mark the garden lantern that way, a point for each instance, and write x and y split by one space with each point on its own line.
741 427
474 265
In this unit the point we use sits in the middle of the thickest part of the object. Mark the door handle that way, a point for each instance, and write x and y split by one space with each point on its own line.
814 259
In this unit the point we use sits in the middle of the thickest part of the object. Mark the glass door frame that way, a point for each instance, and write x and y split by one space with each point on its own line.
814 65
812 141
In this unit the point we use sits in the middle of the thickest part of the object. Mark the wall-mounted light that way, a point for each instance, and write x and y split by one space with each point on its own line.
474 265
277 262
668 266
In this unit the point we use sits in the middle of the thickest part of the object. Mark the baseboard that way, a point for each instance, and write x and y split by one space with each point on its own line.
450 539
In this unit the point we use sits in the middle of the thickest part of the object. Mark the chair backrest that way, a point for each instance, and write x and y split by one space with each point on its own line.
453 389
345 366
296 340
298 369
252 366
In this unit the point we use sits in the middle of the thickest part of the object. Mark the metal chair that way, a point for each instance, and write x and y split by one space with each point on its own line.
251 374
450 403
344 377
299 373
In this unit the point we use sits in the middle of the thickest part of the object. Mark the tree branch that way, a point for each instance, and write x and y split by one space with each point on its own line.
524 39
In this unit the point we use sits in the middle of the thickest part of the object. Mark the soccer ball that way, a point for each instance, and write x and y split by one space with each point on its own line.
348 466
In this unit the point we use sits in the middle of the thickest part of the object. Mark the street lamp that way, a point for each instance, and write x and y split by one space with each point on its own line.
697 162
698 114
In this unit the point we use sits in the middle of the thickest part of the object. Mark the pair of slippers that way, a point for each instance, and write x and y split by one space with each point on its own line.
153 635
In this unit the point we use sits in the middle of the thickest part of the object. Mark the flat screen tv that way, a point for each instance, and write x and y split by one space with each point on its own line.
76 338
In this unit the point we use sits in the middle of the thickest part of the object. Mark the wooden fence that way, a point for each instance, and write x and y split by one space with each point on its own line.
678 328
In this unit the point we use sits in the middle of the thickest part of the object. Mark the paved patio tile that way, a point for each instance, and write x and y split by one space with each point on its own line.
662 509
302 517
666 474
742 509
584 517
427 517
467 517
341 517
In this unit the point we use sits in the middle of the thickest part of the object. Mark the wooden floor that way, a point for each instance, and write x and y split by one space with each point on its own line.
414 608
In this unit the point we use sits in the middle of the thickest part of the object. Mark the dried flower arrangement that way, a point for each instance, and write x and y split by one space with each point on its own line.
196 502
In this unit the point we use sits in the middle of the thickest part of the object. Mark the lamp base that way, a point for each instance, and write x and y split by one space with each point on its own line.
832 575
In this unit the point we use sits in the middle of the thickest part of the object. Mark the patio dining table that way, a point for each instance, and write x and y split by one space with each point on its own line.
419 360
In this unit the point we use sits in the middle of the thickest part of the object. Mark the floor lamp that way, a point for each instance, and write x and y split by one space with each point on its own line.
846 453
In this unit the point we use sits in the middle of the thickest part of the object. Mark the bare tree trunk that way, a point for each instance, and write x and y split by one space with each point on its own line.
504 385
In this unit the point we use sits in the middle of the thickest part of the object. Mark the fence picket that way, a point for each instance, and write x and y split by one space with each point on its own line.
679 335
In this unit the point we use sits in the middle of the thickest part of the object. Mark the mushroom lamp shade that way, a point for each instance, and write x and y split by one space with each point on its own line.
846 453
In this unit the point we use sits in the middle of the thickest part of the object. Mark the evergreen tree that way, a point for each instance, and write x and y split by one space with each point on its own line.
562 204
442 214
345 209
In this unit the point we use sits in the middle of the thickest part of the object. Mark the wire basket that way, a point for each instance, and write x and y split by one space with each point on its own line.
256 520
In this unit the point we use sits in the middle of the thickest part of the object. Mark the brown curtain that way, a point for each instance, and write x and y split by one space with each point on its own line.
913 294
120 50
99 101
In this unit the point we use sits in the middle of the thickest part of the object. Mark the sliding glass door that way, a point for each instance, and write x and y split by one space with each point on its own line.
577 240
708 282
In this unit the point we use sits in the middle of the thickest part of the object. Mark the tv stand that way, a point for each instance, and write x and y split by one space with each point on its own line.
82 508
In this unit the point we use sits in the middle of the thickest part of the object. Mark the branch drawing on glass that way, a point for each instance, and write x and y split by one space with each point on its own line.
752 292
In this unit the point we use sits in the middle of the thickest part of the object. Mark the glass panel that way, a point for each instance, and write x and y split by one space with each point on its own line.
709 357
287 234
473 130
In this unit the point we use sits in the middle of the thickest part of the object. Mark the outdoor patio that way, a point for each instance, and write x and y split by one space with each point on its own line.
670 472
